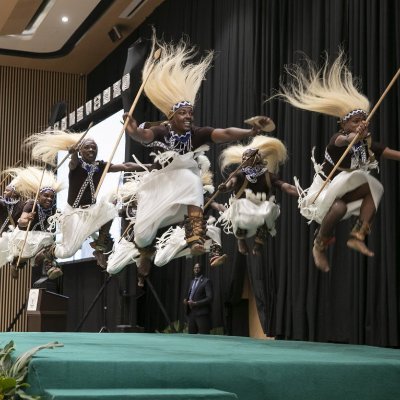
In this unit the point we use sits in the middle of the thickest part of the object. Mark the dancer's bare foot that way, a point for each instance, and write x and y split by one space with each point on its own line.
54 272
101 258
144 268
218 260
242 246
140 280
197 249
359 246
14 272
320 259
257 249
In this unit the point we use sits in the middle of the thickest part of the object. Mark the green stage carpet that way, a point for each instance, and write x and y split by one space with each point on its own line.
178 366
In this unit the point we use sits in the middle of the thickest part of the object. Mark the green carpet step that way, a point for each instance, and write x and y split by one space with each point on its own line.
142 394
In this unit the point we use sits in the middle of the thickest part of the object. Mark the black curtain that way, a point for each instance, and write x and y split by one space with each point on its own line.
358 301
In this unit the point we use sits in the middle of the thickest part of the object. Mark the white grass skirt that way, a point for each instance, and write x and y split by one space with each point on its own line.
4 239
77 224
123 253
340 185
249 214
36 241
163 196
172 243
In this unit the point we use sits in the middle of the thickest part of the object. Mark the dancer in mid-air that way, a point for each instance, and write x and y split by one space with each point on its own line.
174 192
353 190
252 209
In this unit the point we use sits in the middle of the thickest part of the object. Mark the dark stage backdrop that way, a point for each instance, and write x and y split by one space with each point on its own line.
358 301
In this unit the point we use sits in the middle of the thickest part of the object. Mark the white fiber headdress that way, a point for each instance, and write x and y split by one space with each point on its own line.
272 152
330 89
175 79
27 180
46 145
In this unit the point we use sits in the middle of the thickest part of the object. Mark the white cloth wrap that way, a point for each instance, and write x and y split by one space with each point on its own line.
172 243
169 245
341 184
164 194
250 213
4 240
77 224
214 233
35 241
124 253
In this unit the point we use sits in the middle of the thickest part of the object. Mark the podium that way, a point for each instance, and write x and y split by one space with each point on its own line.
46 311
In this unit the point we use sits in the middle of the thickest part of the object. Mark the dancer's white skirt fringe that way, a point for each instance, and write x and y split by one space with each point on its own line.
343 183
213 231
77 224
250 213
4 240
36 241
164 194
172 243
124 253
169 245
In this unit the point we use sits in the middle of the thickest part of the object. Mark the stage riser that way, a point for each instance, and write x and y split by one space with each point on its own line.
140 394
251 369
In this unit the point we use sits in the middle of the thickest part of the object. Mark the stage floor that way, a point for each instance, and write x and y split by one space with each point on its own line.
179 366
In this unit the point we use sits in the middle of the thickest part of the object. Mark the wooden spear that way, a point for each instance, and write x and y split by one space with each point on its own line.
156 56
29 223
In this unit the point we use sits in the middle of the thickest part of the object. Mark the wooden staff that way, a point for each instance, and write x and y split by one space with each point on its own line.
156 56
356 137
230 177
29 223
75 146
18 163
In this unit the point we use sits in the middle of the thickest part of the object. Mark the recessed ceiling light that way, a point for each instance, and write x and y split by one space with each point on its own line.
64 19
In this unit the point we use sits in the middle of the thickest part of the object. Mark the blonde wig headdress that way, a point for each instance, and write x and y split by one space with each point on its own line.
272 153
174 81
329 90
46 145
13 186
27 180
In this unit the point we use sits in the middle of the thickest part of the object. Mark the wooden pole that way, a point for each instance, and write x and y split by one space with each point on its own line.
356 138
29 223
156 56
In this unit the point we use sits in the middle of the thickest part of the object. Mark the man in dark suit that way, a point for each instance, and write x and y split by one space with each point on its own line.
198 302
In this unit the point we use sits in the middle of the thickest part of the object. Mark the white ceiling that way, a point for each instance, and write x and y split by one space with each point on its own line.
32 34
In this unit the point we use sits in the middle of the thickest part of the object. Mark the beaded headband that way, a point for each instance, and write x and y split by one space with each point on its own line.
352 113
12 187
43 189
177 106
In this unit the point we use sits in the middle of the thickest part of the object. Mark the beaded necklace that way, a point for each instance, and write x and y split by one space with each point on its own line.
91 169
43 214
252 173
10 203
182 144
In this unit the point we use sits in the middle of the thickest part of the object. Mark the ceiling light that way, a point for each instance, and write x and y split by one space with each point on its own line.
64 19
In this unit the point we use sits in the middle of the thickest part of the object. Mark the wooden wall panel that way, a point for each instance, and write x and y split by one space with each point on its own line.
13 296
26 99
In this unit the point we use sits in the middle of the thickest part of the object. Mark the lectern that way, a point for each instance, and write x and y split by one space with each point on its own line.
46 311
